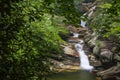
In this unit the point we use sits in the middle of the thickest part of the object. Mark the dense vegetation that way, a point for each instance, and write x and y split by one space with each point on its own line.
106 21
29 34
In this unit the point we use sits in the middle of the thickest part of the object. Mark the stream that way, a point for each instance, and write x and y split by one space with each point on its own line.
84 61
85 68
79 75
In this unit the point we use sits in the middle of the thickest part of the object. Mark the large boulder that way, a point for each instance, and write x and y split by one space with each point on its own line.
92 41
106 54
96 50
100 47
88 36
94 62
70 51
112 73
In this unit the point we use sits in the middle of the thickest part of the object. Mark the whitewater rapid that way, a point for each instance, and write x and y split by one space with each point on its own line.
84 61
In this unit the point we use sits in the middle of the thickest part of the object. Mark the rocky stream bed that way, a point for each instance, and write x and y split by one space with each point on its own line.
101 52
105 62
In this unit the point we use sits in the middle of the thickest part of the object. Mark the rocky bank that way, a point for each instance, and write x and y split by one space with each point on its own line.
104 51
101 53
69 60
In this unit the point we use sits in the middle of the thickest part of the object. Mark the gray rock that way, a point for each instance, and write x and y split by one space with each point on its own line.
70 51
87 37
117 57
112 73
92 42
106 54
74 40
96 50
56 63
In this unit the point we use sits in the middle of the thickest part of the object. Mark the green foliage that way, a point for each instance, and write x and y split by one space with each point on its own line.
66 9
114 10
28 36
107 6
47 33
114 30
100 23
106 21
98 43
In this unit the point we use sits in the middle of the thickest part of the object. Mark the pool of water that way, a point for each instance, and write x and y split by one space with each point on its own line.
79 75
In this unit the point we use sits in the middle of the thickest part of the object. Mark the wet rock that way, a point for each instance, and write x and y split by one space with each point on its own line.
68 63
98 78
87 37
106 54
82 30
73 29
106 58
109 45
96 50
69 59
92 42
112 73
81 36
96 63
68 68
74 40
70 51
117 57
93 39
102 44
56 63
114 49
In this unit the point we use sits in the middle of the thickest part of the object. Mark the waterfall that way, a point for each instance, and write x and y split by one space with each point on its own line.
83 23
88 14
84 61
75 35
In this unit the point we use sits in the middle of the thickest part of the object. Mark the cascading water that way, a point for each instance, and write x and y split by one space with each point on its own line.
88 14
75 35
83 23
84 61
84 65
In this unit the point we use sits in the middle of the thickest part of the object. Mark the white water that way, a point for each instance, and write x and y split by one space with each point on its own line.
75 35
84 61
89 14
83 23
